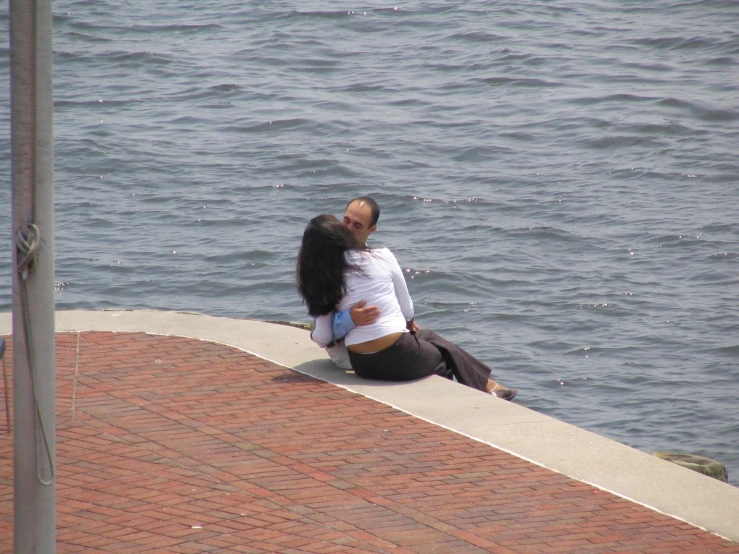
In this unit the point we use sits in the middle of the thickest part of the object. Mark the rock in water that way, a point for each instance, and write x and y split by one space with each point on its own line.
706 466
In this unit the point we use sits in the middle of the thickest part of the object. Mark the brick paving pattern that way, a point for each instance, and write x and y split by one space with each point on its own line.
167 444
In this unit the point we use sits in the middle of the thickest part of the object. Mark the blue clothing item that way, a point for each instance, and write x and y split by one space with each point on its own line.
341 324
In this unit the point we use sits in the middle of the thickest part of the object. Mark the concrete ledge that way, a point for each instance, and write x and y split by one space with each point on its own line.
545 441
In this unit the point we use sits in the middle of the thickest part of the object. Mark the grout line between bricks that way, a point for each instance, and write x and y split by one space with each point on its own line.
477 439
186 421
406 411
76 373
266 493
488 443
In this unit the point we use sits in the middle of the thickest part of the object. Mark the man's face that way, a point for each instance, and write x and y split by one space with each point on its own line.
357 218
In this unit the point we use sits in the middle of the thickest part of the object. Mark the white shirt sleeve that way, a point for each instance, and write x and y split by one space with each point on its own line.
401 287
323 333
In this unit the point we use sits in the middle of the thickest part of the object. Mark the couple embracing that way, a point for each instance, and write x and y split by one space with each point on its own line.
358 296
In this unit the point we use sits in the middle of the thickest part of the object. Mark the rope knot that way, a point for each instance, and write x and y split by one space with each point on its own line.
28 247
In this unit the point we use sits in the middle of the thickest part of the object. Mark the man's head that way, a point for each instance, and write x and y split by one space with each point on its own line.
361 217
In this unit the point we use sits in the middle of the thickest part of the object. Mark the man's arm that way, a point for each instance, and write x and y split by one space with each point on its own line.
358 315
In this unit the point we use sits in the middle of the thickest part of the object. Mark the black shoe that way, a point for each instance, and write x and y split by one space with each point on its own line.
504 393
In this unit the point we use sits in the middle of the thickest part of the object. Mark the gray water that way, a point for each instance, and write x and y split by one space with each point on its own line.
558 179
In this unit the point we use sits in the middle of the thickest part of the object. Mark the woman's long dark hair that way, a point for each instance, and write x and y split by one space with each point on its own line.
321 263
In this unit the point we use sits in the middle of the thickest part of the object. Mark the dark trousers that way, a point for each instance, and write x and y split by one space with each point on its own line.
420 354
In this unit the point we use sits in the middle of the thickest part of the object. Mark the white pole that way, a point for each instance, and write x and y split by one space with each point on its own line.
33 276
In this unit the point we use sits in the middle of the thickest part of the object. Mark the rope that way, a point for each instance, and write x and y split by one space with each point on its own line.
28 247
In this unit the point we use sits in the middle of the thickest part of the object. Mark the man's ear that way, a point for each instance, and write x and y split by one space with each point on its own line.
372 229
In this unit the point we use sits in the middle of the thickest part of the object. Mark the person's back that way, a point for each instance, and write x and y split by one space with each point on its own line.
379 281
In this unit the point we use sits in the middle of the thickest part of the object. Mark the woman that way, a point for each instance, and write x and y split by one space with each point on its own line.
335 271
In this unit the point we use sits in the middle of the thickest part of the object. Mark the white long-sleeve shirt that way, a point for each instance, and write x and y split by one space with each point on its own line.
381 283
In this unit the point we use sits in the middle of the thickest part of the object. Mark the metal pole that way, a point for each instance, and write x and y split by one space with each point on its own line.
33 276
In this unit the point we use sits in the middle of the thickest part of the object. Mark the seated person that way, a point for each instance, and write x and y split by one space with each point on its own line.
335 271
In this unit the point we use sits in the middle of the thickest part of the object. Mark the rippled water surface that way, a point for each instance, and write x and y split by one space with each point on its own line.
558 179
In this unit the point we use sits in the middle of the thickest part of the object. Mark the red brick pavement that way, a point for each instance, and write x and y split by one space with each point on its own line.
167 444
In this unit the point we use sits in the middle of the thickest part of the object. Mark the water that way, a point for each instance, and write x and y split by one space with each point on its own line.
558 179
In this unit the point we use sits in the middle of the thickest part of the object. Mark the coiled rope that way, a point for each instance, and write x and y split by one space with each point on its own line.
28 248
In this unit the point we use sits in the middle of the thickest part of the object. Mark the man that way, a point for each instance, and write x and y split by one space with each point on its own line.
360 217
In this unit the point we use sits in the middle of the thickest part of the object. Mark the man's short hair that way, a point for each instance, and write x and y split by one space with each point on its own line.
374 208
